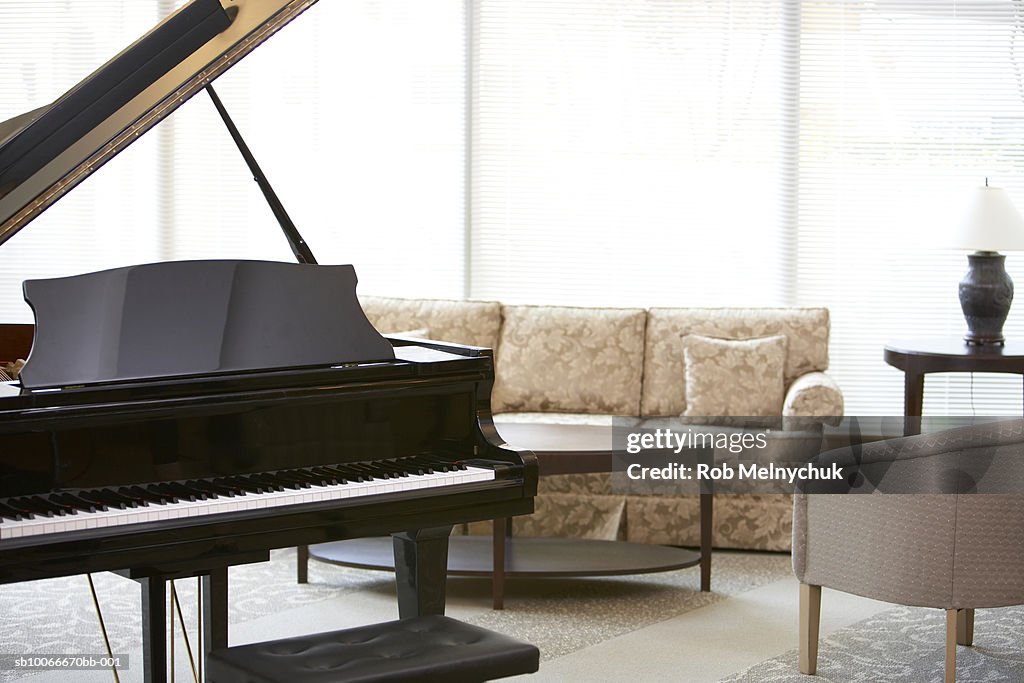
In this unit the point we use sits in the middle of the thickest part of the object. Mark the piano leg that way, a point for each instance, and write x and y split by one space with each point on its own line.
154 629
215 609
421 570
502 529
302 564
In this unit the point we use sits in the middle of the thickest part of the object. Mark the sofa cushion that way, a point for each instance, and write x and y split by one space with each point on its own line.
664 390
571 360
595 419
734 377
474 323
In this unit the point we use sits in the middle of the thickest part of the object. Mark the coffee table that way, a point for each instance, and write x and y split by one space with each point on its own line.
560 449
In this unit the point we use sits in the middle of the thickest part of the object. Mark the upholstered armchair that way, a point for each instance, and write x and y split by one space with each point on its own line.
910 540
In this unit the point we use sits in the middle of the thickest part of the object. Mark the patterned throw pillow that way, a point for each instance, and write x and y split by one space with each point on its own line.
726 377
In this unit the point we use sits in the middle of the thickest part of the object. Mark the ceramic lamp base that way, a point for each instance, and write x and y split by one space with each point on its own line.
986 293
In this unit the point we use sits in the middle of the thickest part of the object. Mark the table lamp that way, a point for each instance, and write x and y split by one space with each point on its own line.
991 224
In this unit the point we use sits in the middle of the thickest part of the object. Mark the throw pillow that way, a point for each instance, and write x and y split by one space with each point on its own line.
727 377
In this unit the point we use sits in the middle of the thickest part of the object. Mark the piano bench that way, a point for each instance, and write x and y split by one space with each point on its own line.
430 648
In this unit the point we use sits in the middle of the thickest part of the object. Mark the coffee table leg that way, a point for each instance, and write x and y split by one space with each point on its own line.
706 526
500 534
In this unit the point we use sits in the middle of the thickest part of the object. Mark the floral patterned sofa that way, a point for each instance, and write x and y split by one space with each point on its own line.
585 365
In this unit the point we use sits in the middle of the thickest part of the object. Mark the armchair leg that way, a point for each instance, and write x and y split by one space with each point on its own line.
952 617
810 612
965 627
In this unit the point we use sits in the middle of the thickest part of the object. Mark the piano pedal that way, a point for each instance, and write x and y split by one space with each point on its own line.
176 608
103 628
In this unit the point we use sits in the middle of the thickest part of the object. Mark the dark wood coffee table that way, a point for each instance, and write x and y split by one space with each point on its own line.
560 449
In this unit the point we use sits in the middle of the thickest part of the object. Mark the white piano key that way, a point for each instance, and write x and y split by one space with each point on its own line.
114 517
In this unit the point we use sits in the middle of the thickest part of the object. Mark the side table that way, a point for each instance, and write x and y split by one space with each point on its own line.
920 356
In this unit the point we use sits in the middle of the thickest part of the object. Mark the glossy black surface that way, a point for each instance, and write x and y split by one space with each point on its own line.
167 429
27 144
428 401
195 318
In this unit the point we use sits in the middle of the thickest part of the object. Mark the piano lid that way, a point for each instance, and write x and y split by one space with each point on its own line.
46 152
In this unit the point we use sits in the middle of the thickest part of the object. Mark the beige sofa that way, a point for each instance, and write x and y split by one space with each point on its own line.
585 365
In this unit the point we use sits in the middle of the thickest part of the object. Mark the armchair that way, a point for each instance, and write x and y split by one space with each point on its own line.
909 541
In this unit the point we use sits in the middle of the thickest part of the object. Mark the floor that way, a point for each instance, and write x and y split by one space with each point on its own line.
703 644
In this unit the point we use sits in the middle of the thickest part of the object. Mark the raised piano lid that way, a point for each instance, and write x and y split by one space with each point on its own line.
46 152
194 318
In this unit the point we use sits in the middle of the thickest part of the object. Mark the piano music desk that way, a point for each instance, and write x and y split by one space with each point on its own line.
560 449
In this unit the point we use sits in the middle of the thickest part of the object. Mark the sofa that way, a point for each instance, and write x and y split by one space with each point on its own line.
571 365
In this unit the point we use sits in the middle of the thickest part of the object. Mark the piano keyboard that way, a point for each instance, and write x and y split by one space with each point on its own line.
69 511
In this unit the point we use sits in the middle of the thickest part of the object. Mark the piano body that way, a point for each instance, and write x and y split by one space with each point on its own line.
175 419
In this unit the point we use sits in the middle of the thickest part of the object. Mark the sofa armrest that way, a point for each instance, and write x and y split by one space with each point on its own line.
814 394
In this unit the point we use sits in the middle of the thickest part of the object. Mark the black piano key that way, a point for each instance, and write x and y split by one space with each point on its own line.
352 474
364 470
57 499
335 476
13 513
142 495
186 492
132 498
381 470
80 503
33 505
212 489
312 478
290 480
162 489
114 496
102 501
227 487
272 482
244 484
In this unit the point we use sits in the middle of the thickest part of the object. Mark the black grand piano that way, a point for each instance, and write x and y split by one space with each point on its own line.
175 419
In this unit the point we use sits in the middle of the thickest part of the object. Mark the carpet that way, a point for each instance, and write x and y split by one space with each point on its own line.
558 615
906 645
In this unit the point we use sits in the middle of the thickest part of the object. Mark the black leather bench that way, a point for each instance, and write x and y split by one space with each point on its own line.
430 648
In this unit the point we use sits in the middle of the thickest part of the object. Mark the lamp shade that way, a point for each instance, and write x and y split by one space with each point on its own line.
990 223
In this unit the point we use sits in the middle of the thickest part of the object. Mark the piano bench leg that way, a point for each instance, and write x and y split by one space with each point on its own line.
302 564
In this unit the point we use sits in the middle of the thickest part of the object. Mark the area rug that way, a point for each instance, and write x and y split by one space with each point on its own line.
558 615
906 645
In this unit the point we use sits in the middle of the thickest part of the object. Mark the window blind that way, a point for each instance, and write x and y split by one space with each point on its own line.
355 111
629 153
905 106
47 47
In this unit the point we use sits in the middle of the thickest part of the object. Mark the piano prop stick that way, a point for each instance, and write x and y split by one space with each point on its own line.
175 419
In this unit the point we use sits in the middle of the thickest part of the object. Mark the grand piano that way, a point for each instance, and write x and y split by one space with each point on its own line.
175 419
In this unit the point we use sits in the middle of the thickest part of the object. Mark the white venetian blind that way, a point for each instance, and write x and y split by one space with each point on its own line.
355 111
47 47
629 153
906 105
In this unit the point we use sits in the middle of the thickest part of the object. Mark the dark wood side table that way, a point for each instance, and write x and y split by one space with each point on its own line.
920 356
